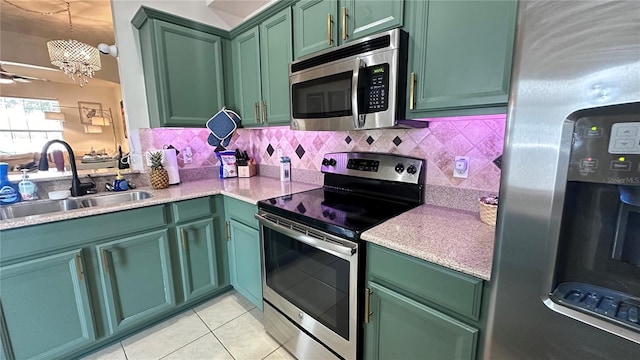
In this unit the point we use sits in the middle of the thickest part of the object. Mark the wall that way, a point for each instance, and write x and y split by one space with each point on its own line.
68 96
479 137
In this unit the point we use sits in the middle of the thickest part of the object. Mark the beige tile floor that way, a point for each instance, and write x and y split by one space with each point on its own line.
226 328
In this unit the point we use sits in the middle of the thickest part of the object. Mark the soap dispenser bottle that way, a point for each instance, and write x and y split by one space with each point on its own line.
28 190
120 184
9 193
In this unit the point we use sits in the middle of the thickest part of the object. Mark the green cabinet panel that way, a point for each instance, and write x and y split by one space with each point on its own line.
245 255
46 311
183 73
450 289
460 56
198 261
136 278
246 52
311 21
367 17
191 209
321 24
245 261
261 72
401 328
276 52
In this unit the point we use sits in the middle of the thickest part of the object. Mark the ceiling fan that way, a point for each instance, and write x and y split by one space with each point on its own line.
10 78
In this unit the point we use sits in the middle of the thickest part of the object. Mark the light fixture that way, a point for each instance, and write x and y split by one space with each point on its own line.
77 59
53 115
108 49
92 129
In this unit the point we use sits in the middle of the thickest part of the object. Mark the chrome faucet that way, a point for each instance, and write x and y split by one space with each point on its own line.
77 188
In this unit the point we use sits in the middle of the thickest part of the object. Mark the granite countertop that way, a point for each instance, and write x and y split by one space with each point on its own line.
246 189
455 239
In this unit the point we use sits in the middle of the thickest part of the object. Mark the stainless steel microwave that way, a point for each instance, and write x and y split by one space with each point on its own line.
359 85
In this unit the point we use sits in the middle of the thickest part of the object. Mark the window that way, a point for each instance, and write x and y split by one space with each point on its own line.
23 127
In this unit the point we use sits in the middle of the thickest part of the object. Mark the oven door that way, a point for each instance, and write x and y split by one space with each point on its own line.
311 278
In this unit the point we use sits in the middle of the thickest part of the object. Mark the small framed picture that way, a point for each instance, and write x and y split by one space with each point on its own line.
88 110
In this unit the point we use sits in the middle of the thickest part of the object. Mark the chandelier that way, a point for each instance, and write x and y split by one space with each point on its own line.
77 59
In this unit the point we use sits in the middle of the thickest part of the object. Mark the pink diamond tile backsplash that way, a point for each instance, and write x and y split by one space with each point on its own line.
481 138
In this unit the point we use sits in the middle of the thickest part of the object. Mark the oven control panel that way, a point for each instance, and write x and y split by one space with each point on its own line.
606 149
380 166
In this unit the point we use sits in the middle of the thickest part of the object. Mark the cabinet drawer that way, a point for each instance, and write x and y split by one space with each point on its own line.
449 289
191 209
241 211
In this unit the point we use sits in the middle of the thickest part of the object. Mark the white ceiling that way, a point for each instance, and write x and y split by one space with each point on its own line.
239 8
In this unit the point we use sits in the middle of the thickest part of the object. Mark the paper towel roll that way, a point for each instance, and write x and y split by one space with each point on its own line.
171 164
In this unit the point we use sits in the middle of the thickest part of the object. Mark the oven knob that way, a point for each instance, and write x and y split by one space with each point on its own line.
332 162
325 213
325 162
412 170
399 168
332 215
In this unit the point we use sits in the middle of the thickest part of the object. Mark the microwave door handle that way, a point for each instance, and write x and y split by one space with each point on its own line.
357 118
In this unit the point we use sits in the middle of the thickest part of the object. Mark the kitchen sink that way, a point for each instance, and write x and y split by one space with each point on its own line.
40 207
114 199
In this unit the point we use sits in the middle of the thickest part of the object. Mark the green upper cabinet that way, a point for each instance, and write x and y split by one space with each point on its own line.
183 69
136 278
459 56
321 24
261 71
46 312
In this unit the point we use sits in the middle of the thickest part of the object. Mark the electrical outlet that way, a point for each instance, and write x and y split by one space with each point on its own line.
461 167
188 155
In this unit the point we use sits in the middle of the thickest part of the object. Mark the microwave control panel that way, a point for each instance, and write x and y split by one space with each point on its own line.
606 149
377 88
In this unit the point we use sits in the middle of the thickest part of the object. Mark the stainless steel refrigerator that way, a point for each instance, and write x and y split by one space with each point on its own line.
565 282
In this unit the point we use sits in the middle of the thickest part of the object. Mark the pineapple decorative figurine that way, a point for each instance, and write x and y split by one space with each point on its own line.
159 175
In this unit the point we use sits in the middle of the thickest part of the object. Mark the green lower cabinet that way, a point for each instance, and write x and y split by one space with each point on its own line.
245 261
198 262
402 328
136 278
45 307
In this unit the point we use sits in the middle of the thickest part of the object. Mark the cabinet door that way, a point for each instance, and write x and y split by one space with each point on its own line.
460 53
245 261
135 274
276 54
316 26
198 262
360 18
187 67
401 328
45 307
246 54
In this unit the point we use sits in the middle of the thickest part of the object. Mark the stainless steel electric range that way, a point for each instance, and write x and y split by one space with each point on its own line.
312 253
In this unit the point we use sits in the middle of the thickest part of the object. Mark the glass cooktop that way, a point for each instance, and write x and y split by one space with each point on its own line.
337 212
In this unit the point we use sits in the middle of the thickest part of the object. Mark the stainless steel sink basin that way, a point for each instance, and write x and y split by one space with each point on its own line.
51 206
36 208
114 199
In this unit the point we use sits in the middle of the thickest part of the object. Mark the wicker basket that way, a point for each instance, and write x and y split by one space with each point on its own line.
488 213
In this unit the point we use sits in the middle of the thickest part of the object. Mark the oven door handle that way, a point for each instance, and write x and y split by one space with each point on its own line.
337 249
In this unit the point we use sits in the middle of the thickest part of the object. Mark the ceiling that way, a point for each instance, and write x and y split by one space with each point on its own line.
239 8
92 24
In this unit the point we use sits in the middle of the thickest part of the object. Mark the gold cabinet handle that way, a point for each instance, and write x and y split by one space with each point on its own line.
264 111
256 108
412 86
329 22
344 23
105 261
183 236
367 305
79 268
226 223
